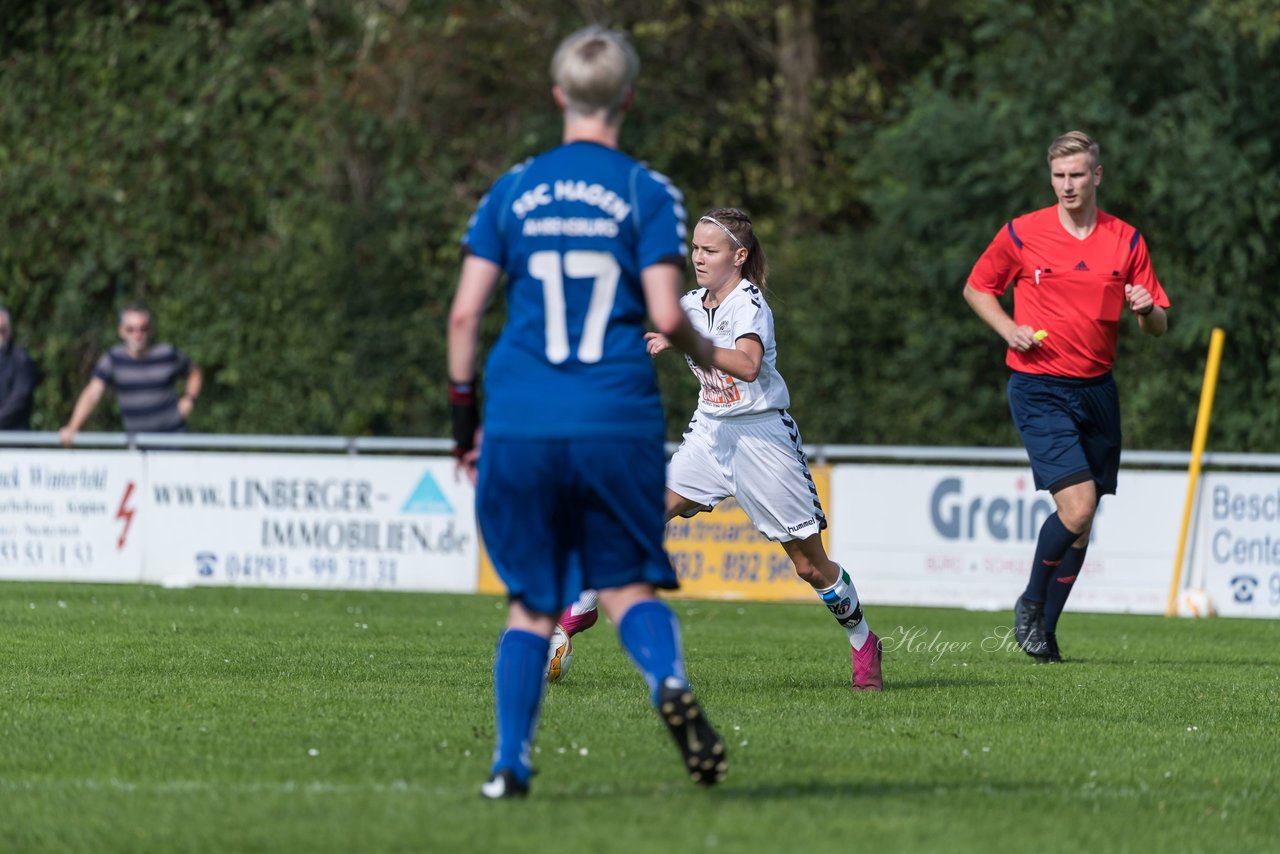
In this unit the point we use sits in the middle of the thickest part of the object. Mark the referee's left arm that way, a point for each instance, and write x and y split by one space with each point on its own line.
1155 322
1151 317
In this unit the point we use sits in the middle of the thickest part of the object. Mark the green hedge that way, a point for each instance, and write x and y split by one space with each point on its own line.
287 183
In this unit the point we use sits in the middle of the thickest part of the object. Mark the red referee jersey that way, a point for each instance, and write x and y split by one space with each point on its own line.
1071 288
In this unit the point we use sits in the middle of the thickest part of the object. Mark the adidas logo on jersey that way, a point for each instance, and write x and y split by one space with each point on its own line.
1082 266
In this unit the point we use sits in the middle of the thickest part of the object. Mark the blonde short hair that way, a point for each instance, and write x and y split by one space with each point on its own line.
595 68
1075 142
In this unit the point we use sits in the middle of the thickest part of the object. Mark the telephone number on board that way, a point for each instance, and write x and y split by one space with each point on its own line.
747 567
241 568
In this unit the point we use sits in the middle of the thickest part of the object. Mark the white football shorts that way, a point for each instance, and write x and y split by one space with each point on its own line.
757 459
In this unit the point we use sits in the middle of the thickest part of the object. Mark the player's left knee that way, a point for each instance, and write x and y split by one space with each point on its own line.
816 574
1079 518
808 573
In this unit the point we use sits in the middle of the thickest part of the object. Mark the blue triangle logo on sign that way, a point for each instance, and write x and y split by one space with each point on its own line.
427 498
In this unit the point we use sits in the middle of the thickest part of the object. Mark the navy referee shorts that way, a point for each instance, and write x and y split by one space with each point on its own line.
1070 428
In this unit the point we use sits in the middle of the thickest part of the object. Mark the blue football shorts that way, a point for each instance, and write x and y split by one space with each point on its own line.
559 516
1070 428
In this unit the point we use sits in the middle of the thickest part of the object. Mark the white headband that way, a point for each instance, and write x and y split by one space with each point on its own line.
723 228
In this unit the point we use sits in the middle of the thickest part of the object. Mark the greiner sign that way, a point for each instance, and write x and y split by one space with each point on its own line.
961 536
960 516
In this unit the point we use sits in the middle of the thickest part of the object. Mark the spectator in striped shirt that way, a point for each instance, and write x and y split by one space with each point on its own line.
143 375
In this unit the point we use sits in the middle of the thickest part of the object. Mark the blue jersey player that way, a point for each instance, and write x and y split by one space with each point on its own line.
570 485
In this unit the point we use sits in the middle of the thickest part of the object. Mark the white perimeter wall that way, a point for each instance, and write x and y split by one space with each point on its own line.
941 535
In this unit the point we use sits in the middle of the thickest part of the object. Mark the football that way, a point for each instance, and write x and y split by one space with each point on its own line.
1196 602
559 655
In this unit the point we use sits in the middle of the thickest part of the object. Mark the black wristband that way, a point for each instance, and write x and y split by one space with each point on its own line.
1150 309
466 416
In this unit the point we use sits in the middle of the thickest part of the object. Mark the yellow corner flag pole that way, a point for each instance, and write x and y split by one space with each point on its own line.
1197 452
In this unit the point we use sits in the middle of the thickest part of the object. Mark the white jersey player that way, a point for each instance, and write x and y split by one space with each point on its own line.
742 312
741 441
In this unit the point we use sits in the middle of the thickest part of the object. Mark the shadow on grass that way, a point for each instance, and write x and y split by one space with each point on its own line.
806 790
892 685
1165 661
822 684
870 789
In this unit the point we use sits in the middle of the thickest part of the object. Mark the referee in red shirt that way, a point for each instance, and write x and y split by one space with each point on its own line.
1074 270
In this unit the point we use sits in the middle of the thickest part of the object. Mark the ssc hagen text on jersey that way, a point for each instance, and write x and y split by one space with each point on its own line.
573 229
595 195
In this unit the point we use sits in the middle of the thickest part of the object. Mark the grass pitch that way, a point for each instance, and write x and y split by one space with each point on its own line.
144 719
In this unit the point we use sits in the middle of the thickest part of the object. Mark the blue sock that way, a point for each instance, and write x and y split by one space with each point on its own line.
650 634
1054 541
1060 588
518 684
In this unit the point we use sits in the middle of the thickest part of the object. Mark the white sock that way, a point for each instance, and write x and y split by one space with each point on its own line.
586 602
841 600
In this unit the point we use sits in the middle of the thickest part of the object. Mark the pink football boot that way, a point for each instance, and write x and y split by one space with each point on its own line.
866 665
573 624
